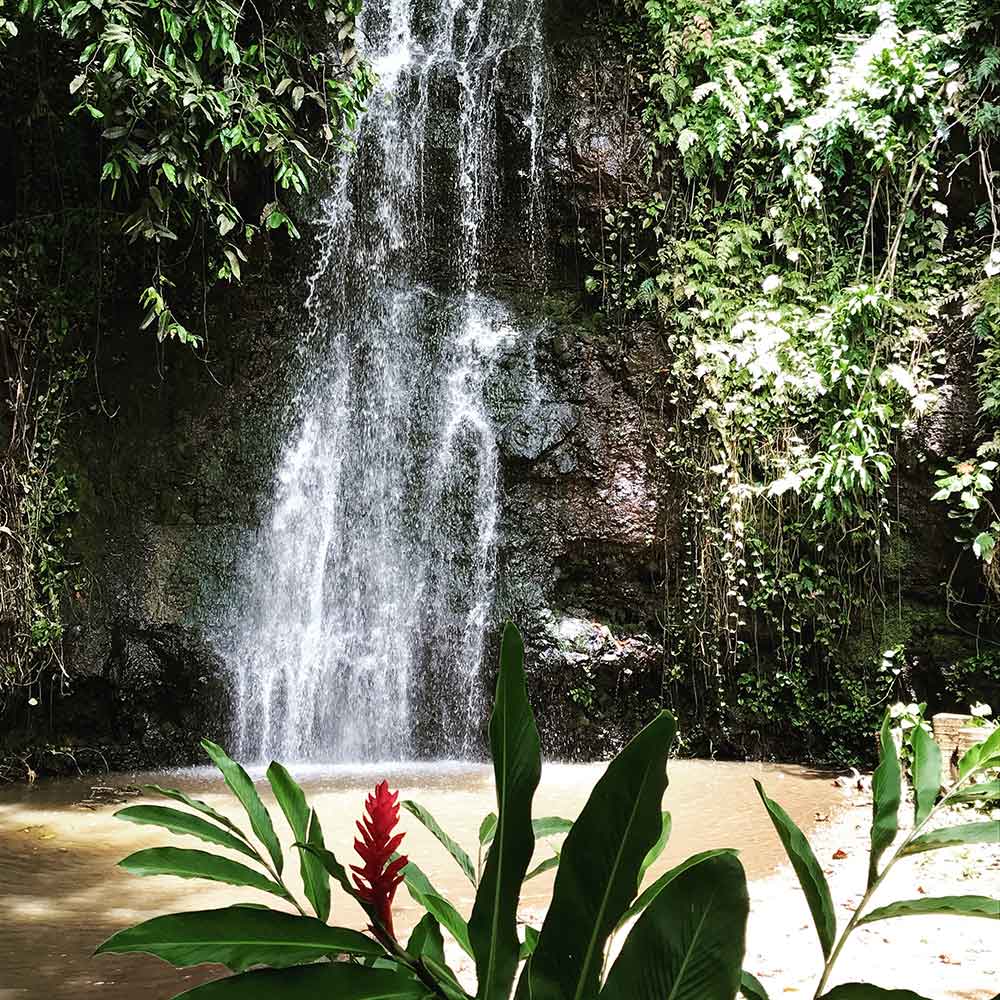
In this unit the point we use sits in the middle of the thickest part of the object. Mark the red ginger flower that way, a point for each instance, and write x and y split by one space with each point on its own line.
379 878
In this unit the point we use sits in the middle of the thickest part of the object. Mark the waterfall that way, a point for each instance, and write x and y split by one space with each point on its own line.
368 590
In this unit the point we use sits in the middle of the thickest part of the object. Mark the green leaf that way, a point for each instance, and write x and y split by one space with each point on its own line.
966 906
655 888
341 980
542 867
550 826
426 939
926 773
517 767
203 807
487 828
197 864
971 793
808 871
240 937
657 849
422 892
184 823
751 988
987 832
461 858
865 991
689 943
333 867
243 788
305 828
599 869
530 942
887 787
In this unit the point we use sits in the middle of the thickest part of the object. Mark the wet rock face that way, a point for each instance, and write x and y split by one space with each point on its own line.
585 514
166 685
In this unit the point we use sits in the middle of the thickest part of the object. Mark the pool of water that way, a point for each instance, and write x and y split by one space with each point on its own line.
61 893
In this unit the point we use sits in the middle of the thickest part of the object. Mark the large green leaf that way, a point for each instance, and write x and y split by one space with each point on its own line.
427 944
965 906
865 991
971 793
887 788
987 832
808 871
240 937
689 943
751 987
655 888
598 872
306 828
197 864
337 980
455 850
203 807
517 767
423 892
926 773
243 788
426 939
177 821
981 755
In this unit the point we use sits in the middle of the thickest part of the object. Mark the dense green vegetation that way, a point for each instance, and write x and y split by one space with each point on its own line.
687 938
148 145
815 232
818 236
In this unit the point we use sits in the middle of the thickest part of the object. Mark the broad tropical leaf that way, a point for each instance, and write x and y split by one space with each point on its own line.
517 767
655 888
926 773
197 864
598 872
887 788
865 991
971 793
426 939
423 892
305 828
203 807
987 832
808 871
341 980
177 821
243 788
455 850
427 944
240 937
966 906
657 849
689 943
751 987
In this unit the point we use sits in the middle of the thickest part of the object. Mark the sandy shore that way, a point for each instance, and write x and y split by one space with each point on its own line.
942 958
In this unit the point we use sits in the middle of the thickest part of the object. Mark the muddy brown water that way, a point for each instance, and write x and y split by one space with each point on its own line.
61 893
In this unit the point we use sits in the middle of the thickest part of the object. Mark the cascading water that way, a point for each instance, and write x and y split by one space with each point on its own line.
371 581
